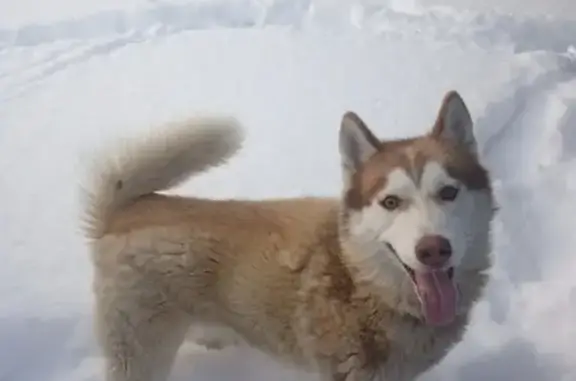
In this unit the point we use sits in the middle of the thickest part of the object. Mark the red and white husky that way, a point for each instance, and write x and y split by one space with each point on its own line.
375 285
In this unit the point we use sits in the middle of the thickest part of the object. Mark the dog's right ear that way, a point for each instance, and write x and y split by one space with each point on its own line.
357 143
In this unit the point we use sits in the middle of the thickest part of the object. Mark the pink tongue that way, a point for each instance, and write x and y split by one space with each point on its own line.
438 296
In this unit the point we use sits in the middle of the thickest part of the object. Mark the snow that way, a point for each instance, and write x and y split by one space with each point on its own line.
76 74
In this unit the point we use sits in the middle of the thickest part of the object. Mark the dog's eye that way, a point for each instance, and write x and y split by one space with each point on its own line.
391 202
448 193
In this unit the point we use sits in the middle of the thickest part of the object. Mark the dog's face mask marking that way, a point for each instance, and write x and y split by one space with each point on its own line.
419 204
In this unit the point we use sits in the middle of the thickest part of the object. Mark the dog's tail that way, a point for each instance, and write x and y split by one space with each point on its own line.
159 161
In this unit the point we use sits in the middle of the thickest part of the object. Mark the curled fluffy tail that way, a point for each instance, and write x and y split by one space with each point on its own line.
159 161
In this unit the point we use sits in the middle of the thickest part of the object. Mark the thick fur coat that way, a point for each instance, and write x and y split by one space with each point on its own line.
341 287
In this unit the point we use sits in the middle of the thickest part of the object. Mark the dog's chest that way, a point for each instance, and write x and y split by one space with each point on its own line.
361 336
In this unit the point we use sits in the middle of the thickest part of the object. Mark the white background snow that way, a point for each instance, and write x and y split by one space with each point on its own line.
74 74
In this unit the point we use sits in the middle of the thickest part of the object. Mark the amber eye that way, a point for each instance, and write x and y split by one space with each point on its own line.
448 193
391 202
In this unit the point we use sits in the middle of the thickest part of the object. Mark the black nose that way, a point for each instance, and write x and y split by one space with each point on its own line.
433 251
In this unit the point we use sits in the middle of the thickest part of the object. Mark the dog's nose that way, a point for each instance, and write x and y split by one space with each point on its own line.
433 251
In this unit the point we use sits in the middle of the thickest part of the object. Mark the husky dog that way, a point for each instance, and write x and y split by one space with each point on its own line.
375 285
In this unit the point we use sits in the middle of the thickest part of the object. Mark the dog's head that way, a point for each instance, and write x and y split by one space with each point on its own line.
417 211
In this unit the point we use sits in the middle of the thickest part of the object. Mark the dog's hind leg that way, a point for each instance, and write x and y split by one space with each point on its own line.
139 335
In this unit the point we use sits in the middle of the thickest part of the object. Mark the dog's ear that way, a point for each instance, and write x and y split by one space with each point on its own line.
455 123
357 143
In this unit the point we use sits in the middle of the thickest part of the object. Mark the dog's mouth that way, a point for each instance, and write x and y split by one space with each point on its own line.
411 272
436 292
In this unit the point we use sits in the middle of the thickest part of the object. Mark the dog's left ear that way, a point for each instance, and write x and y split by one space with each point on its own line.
357 143
455 123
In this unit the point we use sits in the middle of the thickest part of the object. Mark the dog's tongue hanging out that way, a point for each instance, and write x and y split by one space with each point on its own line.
438 296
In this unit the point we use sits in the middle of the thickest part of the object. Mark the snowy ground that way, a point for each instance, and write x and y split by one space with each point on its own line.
80 73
